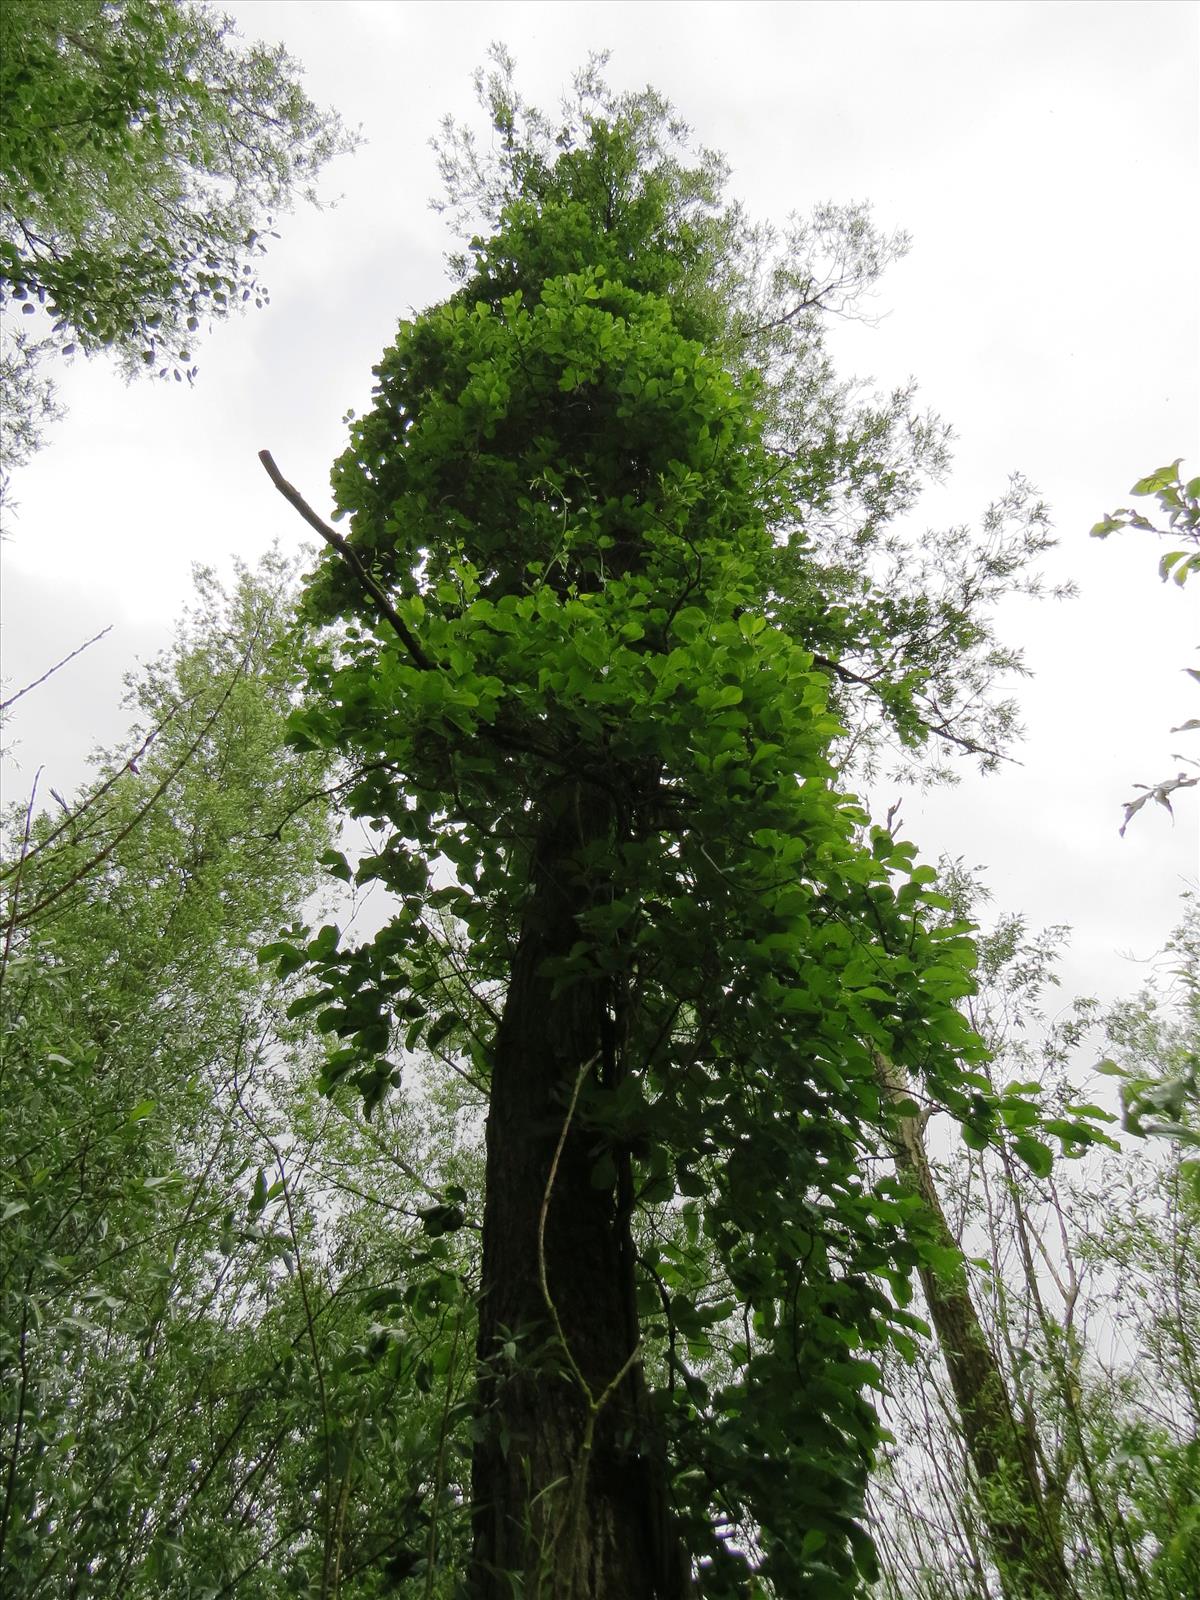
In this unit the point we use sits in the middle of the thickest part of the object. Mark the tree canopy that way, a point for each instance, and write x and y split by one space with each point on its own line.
143 156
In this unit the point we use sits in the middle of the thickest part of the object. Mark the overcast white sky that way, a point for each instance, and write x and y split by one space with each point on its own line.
1045 158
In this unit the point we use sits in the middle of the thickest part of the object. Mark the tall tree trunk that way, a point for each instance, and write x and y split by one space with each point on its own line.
1021 1526
569 1493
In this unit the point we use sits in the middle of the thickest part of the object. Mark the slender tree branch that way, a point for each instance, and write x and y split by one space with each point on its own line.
89 803
50 671
11 925
941 730
351 557
451 1387
101 855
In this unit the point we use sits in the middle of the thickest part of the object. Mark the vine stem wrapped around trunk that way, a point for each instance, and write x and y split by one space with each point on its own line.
567 1485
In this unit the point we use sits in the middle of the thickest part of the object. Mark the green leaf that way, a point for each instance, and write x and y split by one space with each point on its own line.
325 943
689 622
337 865
604 1171
1155 481
1038 1157
440 1029
1107 525
440 1219
1169 560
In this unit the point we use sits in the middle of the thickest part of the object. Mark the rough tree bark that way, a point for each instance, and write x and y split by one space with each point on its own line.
567 1486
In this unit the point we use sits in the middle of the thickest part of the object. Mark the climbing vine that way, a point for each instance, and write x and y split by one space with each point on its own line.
592 643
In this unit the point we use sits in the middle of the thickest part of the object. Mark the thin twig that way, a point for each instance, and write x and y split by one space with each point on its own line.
50 671
431 1548
541 1233
327 1508
72 814
10 927
940 730
350 556
173 772
10 1480
574 1509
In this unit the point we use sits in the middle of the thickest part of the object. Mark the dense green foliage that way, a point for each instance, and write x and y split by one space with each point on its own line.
226 1355
1159 1065
142 156
129 1007
598 489
627 608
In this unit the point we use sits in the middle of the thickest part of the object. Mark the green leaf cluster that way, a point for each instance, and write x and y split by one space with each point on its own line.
1179 506
143 156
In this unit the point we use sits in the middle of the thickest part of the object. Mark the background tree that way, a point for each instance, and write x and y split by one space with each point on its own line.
128 1003
143 155
235 1329
168 1320
1159 1066
1083 1286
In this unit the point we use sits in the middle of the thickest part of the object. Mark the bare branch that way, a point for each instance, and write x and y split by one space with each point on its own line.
350 556
50 671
